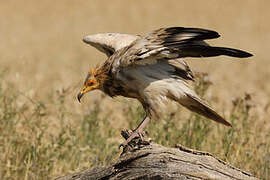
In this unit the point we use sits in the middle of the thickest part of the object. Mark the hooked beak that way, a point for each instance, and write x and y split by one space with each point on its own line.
83 91
80 95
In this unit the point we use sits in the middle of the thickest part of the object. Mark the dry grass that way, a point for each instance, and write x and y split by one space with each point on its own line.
44 132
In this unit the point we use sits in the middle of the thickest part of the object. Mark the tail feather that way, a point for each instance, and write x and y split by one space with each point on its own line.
197 105
209 51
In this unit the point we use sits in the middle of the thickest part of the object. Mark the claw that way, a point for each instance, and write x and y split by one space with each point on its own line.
121 145
130 138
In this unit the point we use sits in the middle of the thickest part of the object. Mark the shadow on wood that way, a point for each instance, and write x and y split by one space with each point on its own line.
153 161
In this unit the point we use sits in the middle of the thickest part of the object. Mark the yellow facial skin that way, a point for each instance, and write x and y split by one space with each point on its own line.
89 85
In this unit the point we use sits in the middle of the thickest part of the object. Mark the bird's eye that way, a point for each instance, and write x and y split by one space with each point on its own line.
90 83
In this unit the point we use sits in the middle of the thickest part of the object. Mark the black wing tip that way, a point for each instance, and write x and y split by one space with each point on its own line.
240 53
230 52
203 33
244 54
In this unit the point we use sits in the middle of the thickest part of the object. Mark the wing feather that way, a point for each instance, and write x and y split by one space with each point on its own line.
172 43
108 43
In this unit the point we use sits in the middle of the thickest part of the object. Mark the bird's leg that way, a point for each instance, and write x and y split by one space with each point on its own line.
137 131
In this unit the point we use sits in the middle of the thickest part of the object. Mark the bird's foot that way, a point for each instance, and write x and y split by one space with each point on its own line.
133 138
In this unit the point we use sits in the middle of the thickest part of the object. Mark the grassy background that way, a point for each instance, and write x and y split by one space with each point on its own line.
45 132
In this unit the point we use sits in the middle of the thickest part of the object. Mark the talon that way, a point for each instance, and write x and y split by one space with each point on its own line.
141 136
121 145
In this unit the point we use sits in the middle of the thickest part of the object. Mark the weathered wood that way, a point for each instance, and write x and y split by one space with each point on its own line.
154 161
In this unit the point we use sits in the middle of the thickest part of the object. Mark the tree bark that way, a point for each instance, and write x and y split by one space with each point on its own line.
153 161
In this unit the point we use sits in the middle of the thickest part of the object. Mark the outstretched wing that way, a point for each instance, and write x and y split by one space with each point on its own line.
150 64
108 43
172 43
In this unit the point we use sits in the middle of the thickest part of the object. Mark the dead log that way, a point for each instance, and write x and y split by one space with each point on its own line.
152 161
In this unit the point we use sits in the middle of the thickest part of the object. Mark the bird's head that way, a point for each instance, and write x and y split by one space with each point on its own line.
91 83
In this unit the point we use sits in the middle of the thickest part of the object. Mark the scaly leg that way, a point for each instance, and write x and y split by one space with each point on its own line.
138 131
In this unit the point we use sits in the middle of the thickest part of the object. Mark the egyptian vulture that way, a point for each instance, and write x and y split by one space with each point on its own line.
151 69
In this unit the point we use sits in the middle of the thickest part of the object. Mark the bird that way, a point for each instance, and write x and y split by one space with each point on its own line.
151 68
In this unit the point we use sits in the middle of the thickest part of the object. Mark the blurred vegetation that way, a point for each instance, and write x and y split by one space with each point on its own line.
32 148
